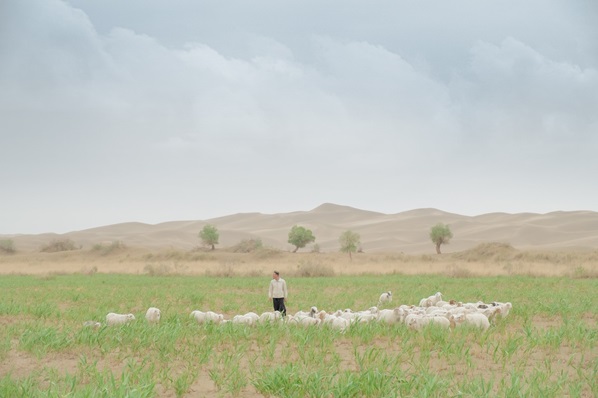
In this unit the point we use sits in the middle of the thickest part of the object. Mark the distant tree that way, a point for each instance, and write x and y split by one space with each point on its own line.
440 234
349 241
299 237
59 245
209 235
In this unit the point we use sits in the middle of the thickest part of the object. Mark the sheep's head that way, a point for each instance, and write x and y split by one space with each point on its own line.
131 317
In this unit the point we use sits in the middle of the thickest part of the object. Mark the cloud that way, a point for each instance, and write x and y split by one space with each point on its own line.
121 109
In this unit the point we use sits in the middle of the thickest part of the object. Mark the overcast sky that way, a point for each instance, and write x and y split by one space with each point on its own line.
140 110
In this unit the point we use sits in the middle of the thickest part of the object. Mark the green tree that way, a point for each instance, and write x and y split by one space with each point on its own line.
209 235
299 237
440 234
349 241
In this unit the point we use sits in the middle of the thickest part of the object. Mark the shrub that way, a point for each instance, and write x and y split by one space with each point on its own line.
7 246
59 245
497 251
105 249
247 246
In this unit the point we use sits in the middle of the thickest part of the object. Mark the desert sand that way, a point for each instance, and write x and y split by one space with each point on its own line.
558 243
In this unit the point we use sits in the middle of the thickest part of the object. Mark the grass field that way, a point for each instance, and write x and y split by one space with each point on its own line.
545 347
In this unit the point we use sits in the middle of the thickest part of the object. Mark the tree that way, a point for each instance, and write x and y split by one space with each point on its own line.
440 234
209 235
299 237
349 241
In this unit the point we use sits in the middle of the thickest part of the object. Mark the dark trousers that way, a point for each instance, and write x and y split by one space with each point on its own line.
279 305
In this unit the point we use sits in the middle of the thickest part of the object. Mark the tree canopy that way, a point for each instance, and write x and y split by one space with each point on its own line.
300 237
349 241
209 235
440 234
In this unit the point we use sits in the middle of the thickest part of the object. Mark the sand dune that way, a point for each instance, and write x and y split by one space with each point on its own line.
402 232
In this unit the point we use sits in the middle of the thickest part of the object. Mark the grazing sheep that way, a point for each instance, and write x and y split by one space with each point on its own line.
340 324
491 312
385 297
153 315
390 316
250 318
308 321
92 324
243 320
365 317
418 322
302 314
372 310
424 303
118 319
205 317
473 319
505 308
430 301
270 316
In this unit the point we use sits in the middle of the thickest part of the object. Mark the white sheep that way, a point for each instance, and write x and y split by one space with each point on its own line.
365 317
390 316
92 324
153 315
418 322
118 319
430 301
271 316
308 321
302 314
373 310
205 317
250 318
476 319
243 320
340 324
385 297
505 308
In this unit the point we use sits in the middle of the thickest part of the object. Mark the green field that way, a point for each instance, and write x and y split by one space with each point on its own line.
546 347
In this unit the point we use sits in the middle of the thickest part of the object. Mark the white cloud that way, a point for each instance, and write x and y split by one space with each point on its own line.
285 111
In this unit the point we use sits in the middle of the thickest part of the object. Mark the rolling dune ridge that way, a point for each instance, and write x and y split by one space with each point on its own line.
405 232
554 244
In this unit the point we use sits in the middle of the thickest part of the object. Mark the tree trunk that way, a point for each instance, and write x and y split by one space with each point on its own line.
213 247
296 248
350 257
438 248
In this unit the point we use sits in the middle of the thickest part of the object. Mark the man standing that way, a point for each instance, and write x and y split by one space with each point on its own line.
278 293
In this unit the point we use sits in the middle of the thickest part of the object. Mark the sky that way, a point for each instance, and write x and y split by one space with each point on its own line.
152 111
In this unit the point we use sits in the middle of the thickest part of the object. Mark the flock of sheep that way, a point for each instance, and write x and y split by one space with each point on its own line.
431 310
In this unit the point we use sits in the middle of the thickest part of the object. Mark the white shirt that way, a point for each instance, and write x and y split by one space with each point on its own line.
278 288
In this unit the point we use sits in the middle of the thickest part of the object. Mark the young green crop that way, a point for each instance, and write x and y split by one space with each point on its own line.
547 346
